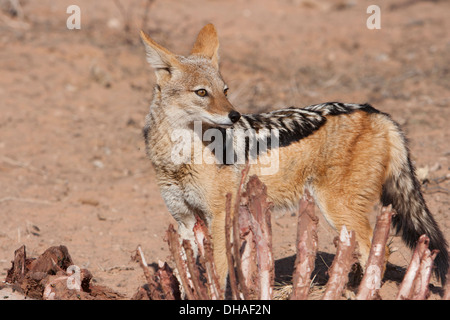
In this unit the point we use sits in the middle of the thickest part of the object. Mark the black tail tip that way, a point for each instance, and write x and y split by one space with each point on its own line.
441 263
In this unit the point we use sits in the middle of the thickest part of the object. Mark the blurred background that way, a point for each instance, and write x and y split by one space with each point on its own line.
73 169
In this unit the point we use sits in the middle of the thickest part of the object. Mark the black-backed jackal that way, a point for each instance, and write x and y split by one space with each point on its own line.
348 156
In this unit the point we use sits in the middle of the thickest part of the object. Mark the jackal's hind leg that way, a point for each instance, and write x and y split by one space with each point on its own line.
344 210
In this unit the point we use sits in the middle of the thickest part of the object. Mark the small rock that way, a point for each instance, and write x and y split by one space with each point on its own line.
98 164
114 23
422 173
101 76
435 167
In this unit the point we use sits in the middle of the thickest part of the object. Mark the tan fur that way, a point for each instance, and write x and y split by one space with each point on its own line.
207 44
344 164
333 165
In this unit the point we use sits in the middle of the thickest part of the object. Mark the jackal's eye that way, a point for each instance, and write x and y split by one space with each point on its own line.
225 92
201 92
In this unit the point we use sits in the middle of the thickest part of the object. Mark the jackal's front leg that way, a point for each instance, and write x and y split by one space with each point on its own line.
185 217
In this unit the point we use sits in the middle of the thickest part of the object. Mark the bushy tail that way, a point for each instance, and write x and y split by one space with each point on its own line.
413 219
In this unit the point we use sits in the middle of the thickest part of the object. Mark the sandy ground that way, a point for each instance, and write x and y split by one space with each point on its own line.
73 169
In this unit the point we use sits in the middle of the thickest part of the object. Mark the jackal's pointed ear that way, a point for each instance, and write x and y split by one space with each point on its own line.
161 59
207 44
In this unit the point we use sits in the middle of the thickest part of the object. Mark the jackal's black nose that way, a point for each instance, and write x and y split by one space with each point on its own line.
234 116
